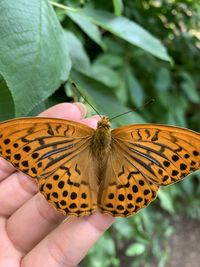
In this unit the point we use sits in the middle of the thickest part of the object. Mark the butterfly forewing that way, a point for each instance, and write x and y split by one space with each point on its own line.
56 153
164 154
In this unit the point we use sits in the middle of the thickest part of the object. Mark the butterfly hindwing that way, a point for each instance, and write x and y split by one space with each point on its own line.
124 189
72 188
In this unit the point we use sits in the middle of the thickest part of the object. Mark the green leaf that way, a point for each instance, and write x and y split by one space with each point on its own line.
38 109
6 101
166 201
103 253
127 30
116 48
135 249
163 80
105 75
87 26
34 60
189 88
121 90
110 60
135 89
124 228
79 58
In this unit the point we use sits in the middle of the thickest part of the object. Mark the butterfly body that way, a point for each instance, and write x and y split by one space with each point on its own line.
101 147
101 141
80 170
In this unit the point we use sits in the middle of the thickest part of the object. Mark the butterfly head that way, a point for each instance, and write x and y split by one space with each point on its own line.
104 123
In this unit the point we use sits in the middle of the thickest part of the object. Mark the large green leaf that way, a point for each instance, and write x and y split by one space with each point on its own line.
127 30
6 101
33 55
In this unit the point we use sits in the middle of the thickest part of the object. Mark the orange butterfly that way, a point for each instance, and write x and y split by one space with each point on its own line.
80 170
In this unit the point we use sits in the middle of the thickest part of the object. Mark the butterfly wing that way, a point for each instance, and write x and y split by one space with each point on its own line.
144 157
56 153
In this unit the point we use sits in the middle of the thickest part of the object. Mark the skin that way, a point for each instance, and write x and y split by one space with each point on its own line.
32 232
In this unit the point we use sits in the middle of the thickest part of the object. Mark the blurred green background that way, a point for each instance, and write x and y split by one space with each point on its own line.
120 54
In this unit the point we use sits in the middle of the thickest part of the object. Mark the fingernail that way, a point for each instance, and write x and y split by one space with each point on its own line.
82 108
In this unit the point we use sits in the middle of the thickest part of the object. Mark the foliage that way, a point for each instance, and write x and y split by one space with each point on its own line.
120 54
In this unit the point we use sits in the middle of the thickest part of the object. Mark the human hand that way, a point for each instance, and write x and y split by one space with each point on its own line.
32 232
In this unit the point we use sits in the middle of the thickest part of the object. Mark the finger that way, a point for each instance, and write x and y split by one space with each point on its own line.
14 191
32 222
68 244
69 111
6 169
92 122
17 189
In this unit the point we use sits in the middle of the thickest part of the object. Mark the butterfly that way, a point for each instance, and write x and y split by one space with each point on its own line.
80 170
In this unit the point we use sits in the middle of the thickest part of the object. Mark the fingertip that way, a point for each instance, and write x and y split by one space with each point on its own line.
70 111
92 122
82 108
100 221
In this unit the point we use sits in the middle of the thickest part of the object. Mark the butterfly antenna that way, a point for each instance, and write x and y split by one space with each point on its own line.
85 99
146 103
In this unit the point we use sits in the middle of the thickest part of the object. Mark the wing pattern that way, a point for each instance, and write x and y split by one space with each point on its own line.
55 152
143 158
